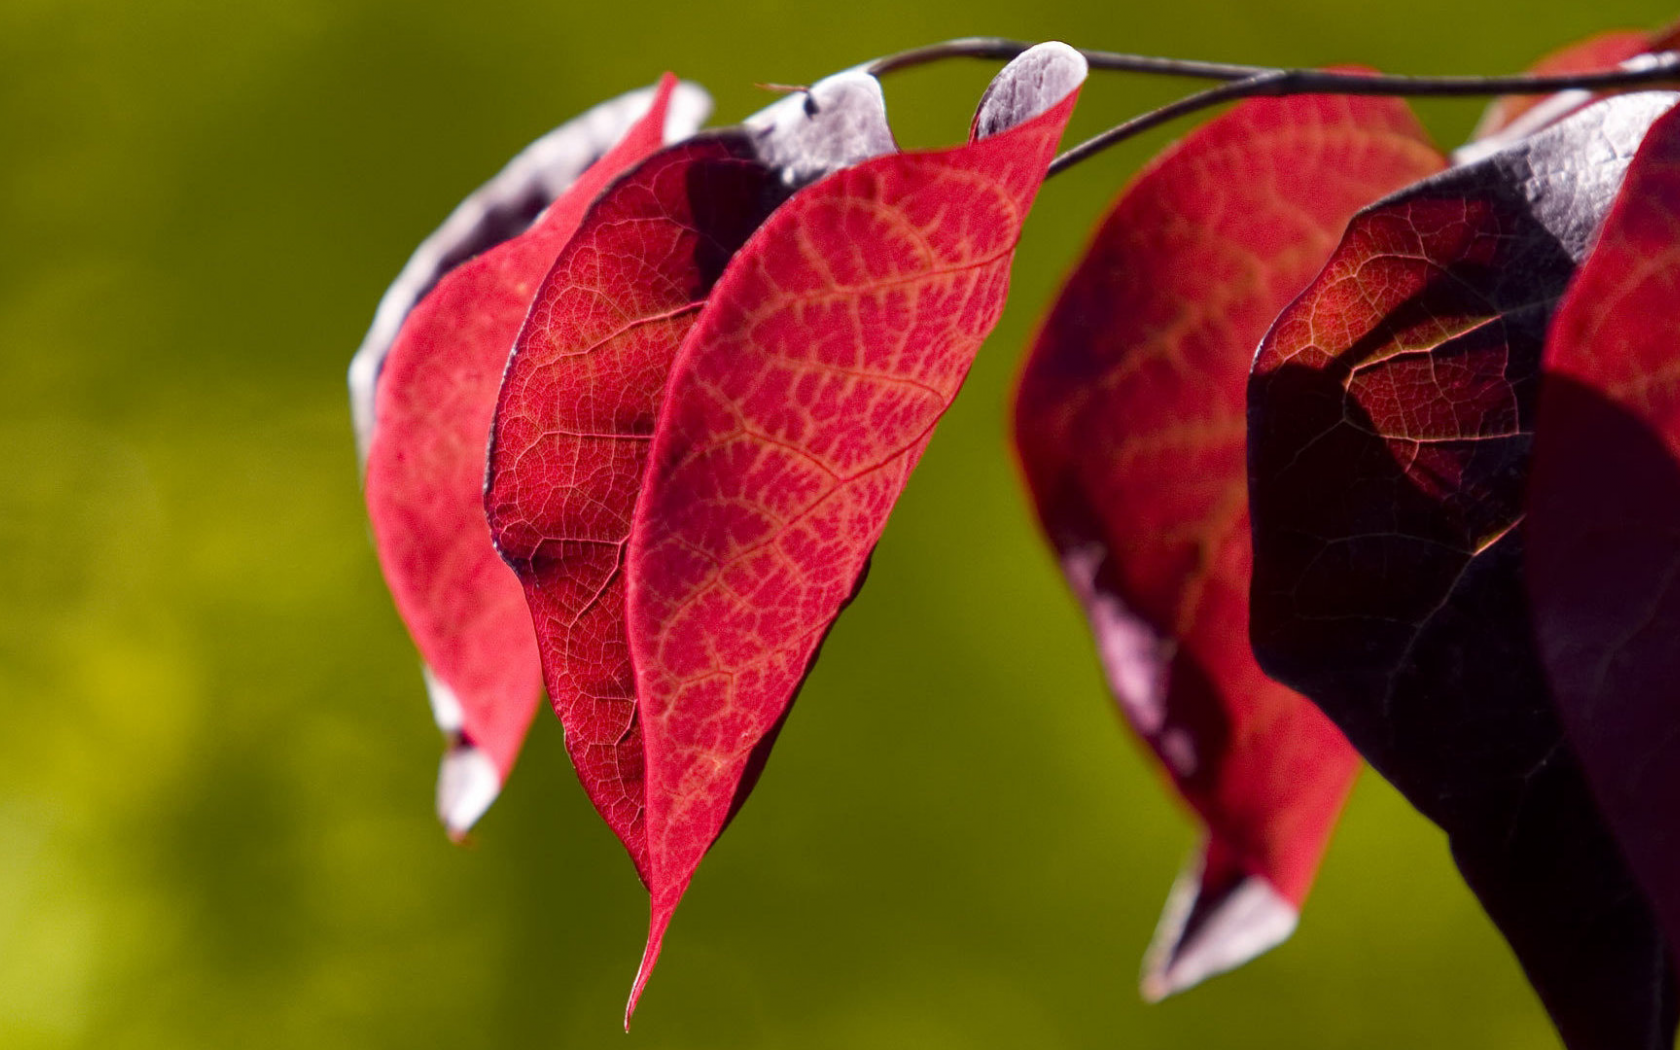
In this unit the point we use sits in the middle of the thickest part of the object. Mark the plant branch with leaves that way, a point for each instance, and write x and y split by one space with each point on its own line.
633 420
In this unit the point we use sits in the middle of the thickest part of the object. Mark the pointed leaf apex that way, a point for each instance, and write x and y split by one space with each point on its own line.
1204 934
467 784
658 921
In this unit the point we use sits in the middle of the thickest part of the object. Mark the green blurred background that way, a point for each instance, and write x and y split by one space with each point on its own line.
216 772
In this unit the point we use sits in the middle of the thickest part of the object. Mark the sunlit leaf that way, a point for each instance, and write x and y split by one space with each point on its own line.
583 389
796 410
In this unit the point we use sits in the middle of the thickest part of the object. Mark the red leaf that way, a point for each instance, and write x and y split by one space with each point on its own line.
572 425
1602 51
1510 118
505 207
1130 425
425 475
1391 410
795 412
583 388
1604 517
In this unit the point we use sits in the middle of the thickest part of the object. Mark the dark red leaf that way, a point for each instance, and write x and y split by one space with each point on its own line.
795 412
435 392
577 406
1391 410
1130 425
1604 518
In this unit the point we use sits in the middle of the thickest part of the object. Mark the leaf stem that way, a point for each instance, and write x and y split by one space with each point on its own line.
1252 81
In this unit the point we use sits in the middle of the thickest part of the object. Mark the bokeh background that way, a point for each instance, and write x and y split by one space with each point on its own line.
216 762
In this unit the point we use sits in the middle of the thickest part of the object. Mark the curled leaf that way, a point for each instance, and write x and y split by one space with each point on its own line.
1130 426
1391 412
795 411
1604 518
432 396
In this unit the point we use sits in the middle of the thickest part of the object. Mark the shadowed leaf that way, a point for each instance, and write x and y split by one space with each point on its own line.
1391 410
1604 518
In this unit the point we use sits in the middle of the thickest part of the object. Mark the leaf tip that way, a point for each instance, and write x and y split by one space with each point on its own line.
467 783
1206 930
658 921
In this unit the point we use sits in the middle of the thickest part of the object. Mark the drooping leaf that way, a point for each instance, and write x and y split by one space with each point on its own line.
432 400
1391 412
796 409
582 390
1130 425
1604 518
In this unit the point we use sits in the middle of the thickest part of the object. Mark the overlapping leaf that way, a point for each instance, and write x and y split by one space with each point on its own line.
1604 518
1391 411
796 409
578 403
435 389
1130 425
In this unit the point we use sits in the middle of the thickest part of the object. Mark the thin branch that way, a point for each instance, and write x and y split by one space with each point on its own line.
1254 85
1655 67
1001 49
1253 81
1648 71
